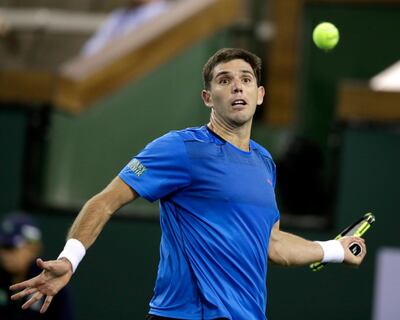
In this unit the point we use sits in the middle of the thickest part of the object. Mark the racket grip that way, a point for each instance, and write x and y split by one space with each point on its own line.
355 248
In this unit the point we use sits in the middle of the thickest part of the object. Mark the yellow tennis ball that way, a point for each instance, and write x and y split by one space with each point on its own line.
325 36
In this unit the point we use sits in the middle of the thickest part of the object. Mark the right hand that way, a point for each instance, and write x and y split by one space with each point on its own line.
55 276
349 257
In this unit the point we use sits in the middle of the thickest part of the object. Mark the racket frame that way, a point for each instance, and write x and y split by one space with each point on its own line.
366 222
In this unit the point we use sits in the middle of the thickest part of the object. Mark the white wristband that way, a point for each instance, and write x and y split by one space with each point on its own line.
74 251
333 251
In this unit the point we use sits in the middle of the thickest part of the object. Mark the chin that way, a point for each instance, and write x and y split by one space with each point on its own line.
240 121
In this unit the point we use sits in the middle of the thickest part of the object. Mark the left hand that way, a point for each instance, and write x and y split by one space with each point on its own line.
349 257
55 276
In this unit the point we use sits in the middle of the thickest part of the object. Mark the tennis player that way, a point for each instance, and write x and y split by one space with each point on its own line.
219 217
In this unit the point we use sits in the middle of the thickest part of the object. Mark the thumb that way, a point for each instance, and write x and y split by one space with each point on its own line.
45 265
40 263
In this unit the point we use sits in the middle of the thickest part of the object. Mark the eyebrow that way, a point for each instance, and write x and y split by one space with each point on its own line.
228 72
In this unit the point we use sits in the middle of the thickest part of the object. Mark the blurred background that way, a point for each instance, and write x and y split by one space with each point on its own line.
70 120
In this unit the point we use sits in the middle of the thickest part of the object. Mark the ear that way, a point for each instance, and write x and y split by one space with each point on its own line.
260 96
206 96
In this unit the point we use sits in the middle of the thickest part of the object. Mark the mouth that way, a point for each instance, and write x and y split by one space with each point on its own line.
238 103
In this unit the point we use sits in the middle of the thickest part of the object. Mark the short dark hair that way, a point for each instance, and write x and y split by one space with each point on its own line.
226 55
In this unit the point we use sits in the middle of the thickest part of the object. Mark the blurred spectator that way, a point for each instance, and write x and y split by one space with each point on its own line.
124 20
20 244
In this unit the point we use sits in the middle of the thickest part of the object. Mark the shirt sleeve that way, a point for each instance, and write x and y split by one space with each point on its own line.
271 167
160 169
277 213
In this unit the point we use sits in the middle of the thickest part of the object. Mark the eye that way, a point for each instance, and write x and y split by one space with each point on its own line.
223 81
247 80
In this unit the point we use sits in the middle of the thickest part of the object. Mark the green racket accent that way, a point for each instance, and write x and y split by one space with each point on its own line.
363 229
357 229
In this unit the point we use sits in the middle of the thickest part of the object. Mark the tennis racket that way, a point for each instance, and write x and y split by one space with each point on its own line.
356 229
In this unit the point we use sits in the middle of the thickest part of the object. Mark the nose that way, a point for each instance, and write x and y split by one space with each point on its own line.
237 86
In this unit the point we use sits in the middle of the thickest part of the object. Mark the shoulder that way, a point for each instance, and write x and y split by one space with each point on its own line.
265 155
199 134
193 142
177 140
170 137
261 150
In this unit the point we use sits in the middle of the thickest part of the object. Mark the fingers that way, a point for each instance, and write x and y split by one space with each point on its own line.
347 241
56 267
356 247
34 283
49 282
45 265
350 257
363 248
35 298
46 304
26 292
360 242
40 263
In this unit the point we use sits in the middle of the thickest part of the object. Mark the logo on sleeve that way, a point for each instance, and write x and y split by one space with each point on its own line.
137 167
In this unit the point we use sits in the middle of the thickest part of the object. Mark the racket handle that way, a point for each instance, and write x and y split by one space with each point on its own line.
355 248
317 266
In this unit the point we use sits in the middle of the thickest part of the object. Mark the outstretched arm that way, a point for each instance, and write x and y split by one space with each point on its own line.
287 249
86 228
98 210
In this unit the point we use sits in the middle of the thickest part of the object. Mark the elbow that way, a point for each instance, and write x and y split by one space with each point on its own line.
100 205
276 257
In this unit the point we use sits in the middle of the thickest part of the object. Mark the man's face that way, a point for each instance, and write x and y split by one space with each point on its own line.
234 94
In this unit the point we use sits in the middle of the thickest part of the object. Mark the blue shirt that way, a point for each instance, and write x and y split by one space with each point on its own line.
217 208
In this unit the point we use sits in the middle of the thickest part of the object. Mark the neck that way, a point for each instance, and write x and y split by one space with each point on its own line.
239 136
